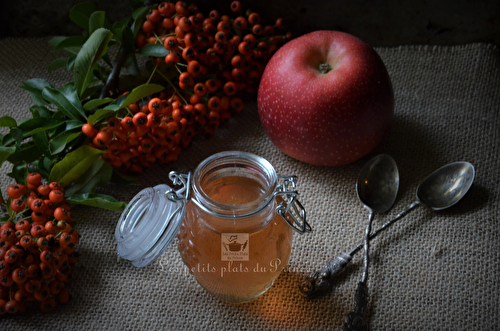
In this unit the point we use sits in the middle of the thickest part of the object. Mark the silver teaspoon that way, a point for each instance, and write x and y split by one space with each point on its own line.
377 188
440 190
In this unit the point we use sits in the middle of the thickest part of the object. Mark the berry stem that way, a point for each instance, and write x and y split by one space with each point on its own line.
177 92
128 113
152 73
173 86
179 70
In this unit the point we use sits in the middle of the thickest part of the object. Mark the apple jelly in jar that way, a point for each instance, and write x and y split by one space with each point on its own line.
234 218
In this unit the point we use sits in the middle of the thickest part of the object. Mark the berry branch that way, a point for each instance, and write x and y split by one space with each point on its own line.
37 252
111 83
199 67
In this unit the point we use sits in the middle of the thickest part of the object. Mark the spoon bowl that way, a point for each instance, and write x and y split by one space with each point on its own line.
378 183
446 186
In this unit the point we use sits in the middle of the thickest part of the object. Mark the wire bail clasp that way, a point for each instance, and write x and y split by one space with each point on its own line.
179 179
290 209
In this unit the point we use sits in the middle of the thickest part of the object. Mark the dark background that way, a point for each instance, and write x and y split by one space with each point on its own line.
378 22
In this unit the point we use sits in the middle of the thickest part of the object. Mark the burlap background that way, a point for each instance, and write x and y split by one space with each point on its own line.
431 271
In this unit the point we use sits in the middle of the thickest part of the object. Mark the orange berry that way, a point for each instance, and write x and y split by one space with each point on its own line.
89 130
56 196
34 178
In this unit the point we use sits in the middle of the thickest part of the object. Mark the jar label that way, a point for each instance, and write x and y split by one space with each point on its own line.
234 247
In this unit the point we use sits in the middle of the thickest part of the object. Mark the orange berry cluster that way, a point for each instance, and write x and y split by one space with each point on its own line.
218 60
235 50
37 247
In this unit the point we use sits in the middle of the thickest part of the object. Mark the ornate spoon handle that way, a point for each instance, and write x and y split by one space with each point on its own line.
319 281
355 321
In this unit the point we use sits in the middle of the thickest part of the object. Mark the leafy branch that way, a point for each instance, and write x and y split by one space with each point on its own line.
51 142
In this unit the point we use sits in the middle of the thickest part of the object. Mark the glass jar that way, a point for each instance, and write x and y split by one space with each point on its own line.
234 224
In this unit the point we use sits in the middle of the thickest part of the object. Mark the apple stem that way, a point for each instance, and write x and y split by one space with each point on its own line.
325 68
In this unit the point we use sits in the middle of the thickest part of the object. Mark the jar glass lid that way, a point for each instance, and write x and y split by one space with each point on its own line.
148 225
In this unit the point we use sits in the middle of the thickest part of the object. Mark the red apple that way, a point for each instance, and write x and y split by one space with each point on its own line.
326 98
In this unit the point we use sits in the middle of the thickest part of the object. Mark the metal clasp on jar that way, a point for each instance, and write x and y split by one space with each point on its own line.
290 209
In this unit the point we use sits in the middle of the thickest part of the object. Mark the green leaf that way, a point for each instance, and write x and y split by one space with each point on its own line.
7 122
39 111
19 172
100 73
66 100
11 213
28 153
69 92
119 26
96 21
59 142
140 12
5 152
97 200
135 95
128 40
92 92
131 65
98 174
57 64
140 92
106 58
56 40
31 126
42 166
94 80
39 100
73 51
74 165
46 164
72 125
71 62
157 50
35 85
80 14
96 103
117 34
70 43
42 142
28 127
90 53
100 113
17 136
139 15
117 103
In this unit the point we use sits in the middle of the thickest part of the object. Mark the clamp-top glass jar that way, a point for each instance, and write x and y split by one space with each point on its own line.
234 224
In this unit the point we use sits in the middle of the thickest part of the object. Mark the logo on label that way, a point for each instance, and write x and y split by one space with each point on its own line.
234 247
